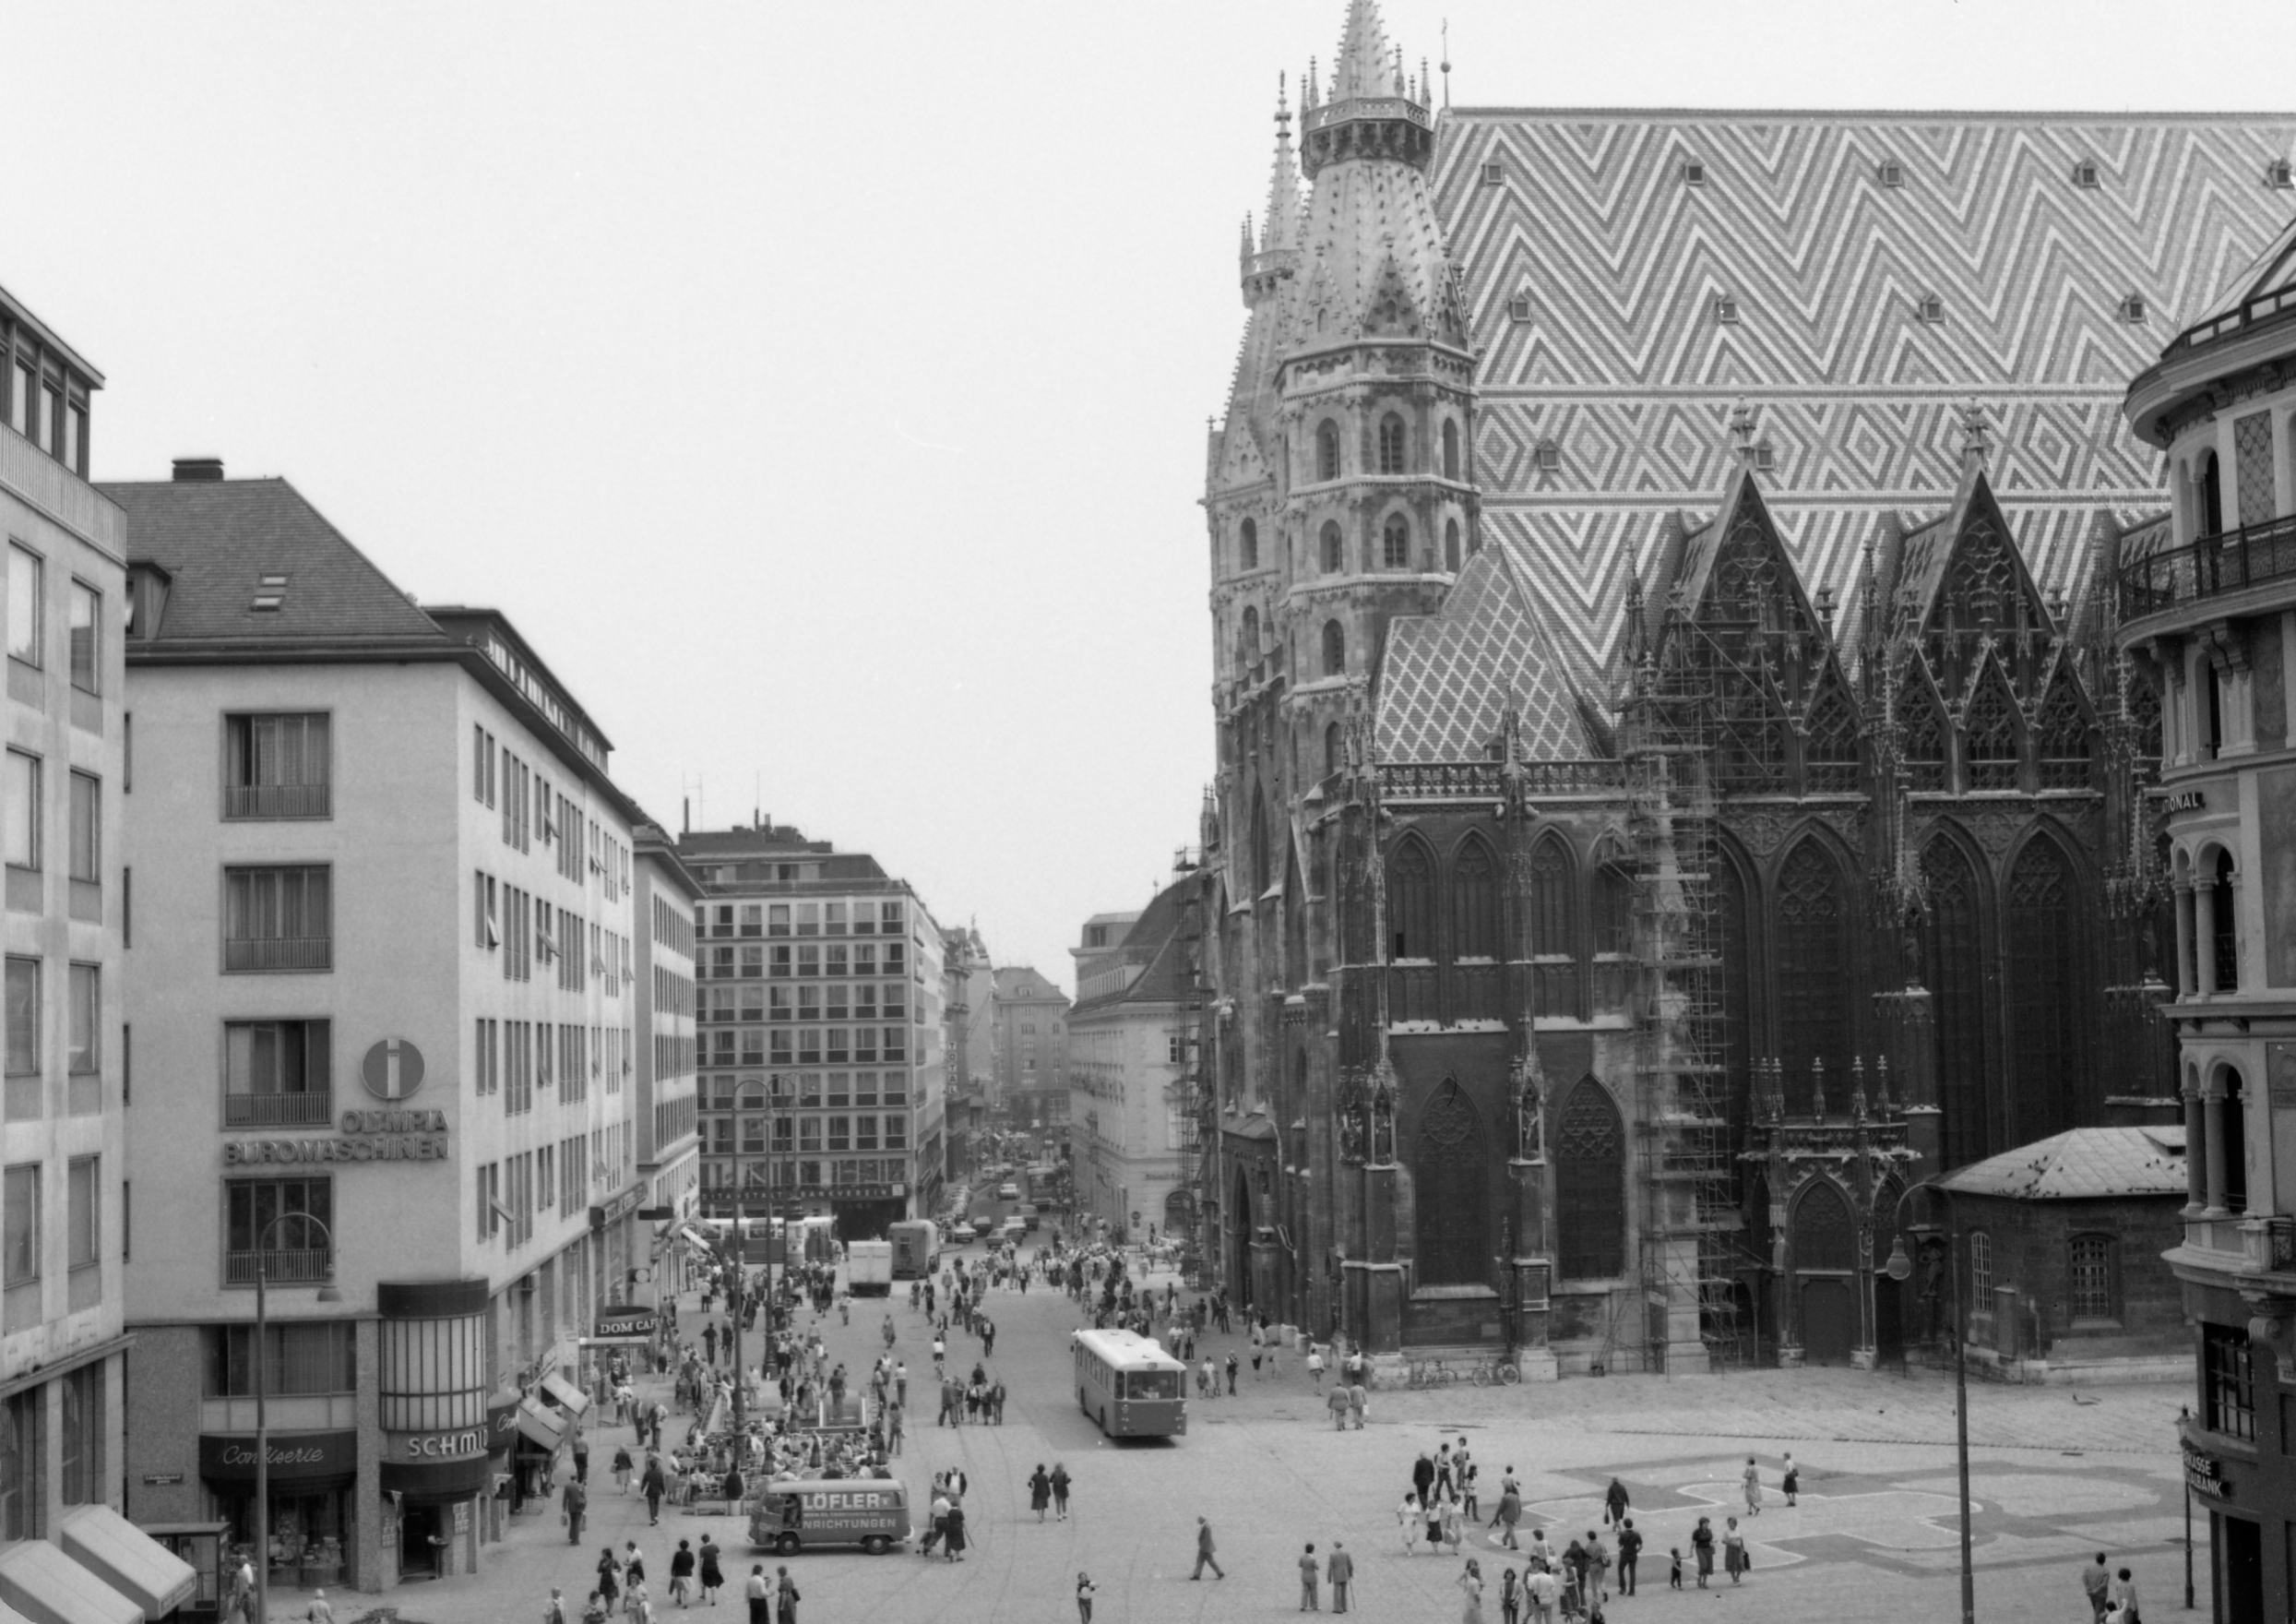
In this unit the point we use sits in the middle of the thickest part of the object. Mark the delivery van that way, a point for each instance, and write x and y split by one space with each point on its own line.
916 1248
809 1513
869 1268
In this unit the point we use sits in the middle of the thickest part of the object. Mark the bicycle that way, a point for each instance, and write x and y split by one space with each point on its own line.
1432 1373
1500 1371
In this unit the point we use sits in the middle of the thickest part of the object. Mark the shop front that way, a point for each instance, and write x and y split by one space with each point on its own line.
502 1443
310 1480
437 1427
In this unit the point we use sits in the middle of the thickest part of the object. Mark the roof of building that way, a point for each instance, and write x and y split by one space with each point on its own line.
1160 943
1827 232
218 538
2270 273
2084 1164
1017 982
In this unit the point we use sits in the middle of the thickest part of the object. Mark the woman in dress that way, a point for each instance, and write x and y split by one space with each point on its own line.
1793 1482
1470 1584
1510 1596
609 1578
1702 1543
713 1576
1734 1551
1040 1491
1751 1476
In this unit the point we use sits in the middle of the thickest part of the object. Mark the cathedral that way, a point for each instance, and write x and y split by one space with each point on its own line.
1676 786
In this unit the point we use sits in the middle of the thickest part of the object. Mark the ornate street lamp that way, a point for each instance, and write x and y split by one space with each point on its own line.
328 1294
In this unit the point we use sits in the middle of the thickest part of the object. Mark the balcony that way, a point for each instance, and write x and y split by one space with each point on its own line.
280 1267
279 952
2254 556
279 800
291 1110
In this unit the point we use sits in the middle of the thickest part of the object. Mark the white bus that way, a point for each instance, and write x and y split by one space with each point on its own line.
1129 1385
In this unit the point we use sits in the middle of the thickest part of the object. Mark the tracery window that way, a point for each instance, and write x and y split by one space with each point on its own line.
1735 972
1590 1186
1813 1015
1924 737
1829 755
1825 1234
1954 970
1247 638
1550 900
2044 991
1327 449
1392 438
1260 878
1613 910
1334 649
1411 900
1989 733
1451 1191
1396 542
1474 901
2060 737
1335 548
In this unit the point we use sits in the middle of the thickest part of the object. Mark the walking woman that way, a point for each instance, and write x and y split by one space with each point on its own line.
1471 1585
1085 1592
1510 1597
1040 1491
609 1578
1702 1543
1060 1492
1753 1476
1734 1551
713 1576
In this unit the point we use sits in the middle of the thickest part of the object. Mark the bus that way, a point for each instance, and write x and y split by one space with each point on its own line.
1130 1386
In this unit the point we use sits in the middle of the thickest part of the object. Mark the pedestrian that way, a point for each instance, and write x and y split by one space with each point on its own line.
1510 1508
1208 1379
759 1595
654 1485
571 1505
1411 1517
1542 1555
953 1533
594 1611
1340 1571
2096 1579
1614 1503
1358 1402
2123 1599
554 1609
900 1383
1060 1492
713 1576
1540 1588
682 1574
1792 1484
1203 1550
1471 1585
1674 1568
1510 1596
1702 1547
1040 1491
637 1607
1259 1349
621 1469
1733 1550
1469 1471
1231 1372
320 1611
633 1564
786 1588
1629 1552
1751 1476
609 1578
581 1457
1337 1404
1316 1364
1085 1590
1308 1571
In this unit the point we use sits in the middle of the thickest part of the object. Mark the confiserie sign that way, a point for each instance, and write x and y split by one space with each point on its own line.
367 1136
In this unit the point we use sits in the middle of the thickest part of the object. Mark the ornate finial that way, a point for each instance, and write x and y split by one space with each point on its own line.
1857 1089
1818 1089
1975 441
1742 431
1881 1087
1402 85
1283 103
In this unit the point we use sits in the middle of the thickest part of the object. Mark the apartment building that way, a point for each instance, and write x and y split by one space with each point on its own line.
63 1102
823 1047
1032 1049
385 979
669 1135
1129 1054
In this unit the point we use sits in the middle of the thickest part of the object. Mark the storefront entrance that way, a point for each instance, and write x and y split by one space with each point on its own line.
2239 1569
422 1541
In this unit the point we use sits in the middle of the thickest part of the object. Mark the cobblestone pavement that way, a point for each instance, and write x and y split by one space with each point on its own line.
2053 1477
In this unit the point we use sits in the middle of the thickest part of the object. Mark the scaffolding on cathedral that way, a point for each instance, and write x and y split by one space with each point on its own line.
1190 1087
1691 1219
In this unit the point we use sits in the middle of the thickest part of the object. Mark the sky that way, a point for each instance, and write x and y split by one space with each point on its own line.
822 389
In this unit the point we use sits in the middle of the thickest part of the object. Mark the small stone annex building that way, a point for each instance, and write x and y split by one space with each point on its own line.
1676 785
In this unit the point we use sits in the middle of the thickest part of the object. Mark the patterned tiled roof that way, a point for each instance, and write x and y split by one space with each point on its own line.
1448 677
1827 253
2082 1165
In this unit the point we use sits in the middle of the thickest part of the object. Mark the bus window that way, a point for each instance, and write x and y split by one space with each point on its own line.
1152 1384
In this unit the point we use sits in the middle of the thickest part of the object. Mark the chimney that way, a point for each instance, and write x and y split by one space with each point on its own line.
198 470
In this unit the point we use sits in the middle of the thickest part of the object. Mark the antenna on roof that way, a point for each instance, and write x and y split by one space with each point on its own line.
1446 65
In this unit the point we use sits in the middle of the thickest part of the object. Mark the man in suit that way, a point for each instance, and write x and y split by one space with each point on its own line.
1204 1547
1340 1571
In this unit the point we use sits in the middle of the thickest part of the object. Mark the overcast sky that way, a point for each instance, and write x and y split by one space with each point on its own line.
822 389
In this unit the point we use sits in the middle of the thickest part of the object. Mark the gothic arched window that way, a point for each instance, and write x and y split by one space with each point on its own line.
1334 649
1590 1186
2211 495
2044 991
1550 881
1247 545
1924 737
1260 876
1392 437
1813 1015
1395 539
1411 900
1989 733
1613 910
1327 450
1474 901
1824 1235
2060 737
1450 1190
1954 970
1335 548
1451 545
1450 450
1736 971
1829 750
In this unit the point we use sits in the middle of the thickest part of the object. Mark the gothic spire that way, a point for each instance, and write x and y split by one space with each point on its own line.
1280 228
1367 63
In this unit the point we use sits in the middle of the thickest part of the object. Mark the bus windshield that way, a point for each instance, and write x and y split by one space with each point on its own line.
1151 1385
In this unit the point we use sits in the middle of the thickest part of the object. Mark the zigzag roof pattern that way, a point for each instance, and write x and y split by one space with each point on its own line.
1625 366
1448 679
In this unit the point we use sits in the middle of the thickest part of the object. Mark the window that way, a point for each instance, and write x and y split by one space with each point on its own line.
1726 309
1334 649
87 636
1475 902
19 1226
2228 1383
280 1073
82 1395
1332 748
1613 910
1551 882
2045 995
1980 1273
1395 542
896 1126
1549 457
1392 440
1813 974
23 789
1892 173
1327 449
277 766
25 594
1518 307
1450 450
2133 307
1494 174
2277 177
1590 1185
24 1465
277 919
1693 172
86 828
2092 1277
301 1360
269 1221
23 1017
1451 545
1410 901
83 1191
1334 548
86 992
2084 174
1930 308
1247 558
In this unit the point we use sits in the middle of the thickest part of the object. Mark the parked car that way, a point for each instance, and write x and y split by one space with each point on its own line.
961 1234
1008 1191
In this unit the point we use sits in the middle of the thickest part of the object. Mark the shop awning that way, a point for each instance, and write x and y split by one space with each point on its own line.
541 1426
565 1395
127 1560
40 1581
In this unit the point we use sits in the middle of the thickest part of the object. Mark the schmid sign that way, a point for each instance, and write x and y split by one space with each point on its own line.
459 1445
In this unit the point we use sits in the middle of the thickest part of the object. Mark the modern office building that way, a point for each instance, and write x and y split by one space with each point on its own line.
1130 1064
63 1219
1031 1094
2208 600
819 1000
383 981
669 1126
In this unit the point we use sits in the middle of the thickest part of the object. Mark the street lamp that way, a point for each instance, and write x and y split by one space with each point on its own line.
328 1294
1899 1268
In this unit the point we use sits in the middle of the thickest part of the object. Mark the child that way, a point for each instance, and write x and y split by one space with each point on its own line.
1674 1568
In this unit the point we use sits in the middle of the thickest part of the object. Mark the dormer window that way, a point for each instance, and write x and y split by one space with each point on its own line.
1494 174
1726 309
1518 307
2277 177
1765 456
2132 307
1930 308
1549 456
1891 173
270 593
2084 174
1693 172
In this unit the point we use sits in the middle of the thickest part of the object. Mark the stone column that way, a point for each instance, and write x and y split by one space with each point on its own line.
2212 1116
2187 983
2195 1160
1530 1267
2204 938
1383 1317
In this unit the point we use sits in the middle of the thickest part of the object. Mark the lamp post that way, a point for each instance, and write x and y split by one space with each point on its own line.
328 1294
1899 1268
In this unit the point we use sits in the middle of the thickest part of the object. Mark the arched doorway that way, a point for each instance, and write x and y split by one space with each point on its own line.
1824 1262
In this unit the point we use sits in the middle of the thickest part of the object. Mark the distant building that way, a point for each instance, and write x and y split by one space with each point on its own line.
1131 1067
668 1118
383 985
821 1030
1031 1094
971 1013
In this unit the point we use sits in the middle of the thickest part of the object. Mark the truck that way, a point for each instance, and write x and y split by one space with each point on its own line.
916 1248
869 1268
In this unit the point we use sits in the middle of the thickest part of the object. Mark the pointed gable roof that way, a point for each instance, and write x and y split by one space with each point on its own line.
2270 273
1974 520
1448 679
1366 64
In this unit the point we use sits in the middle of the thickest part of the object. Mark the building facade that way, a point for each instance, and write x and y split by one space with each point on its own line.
384 984
1593 753
1131 1067
63 1234
666 1109
2208 606
819 1000
1030 1092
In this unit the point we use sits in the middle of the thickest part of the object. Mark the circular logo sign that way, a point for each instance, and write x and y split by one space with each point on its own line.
392 1070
